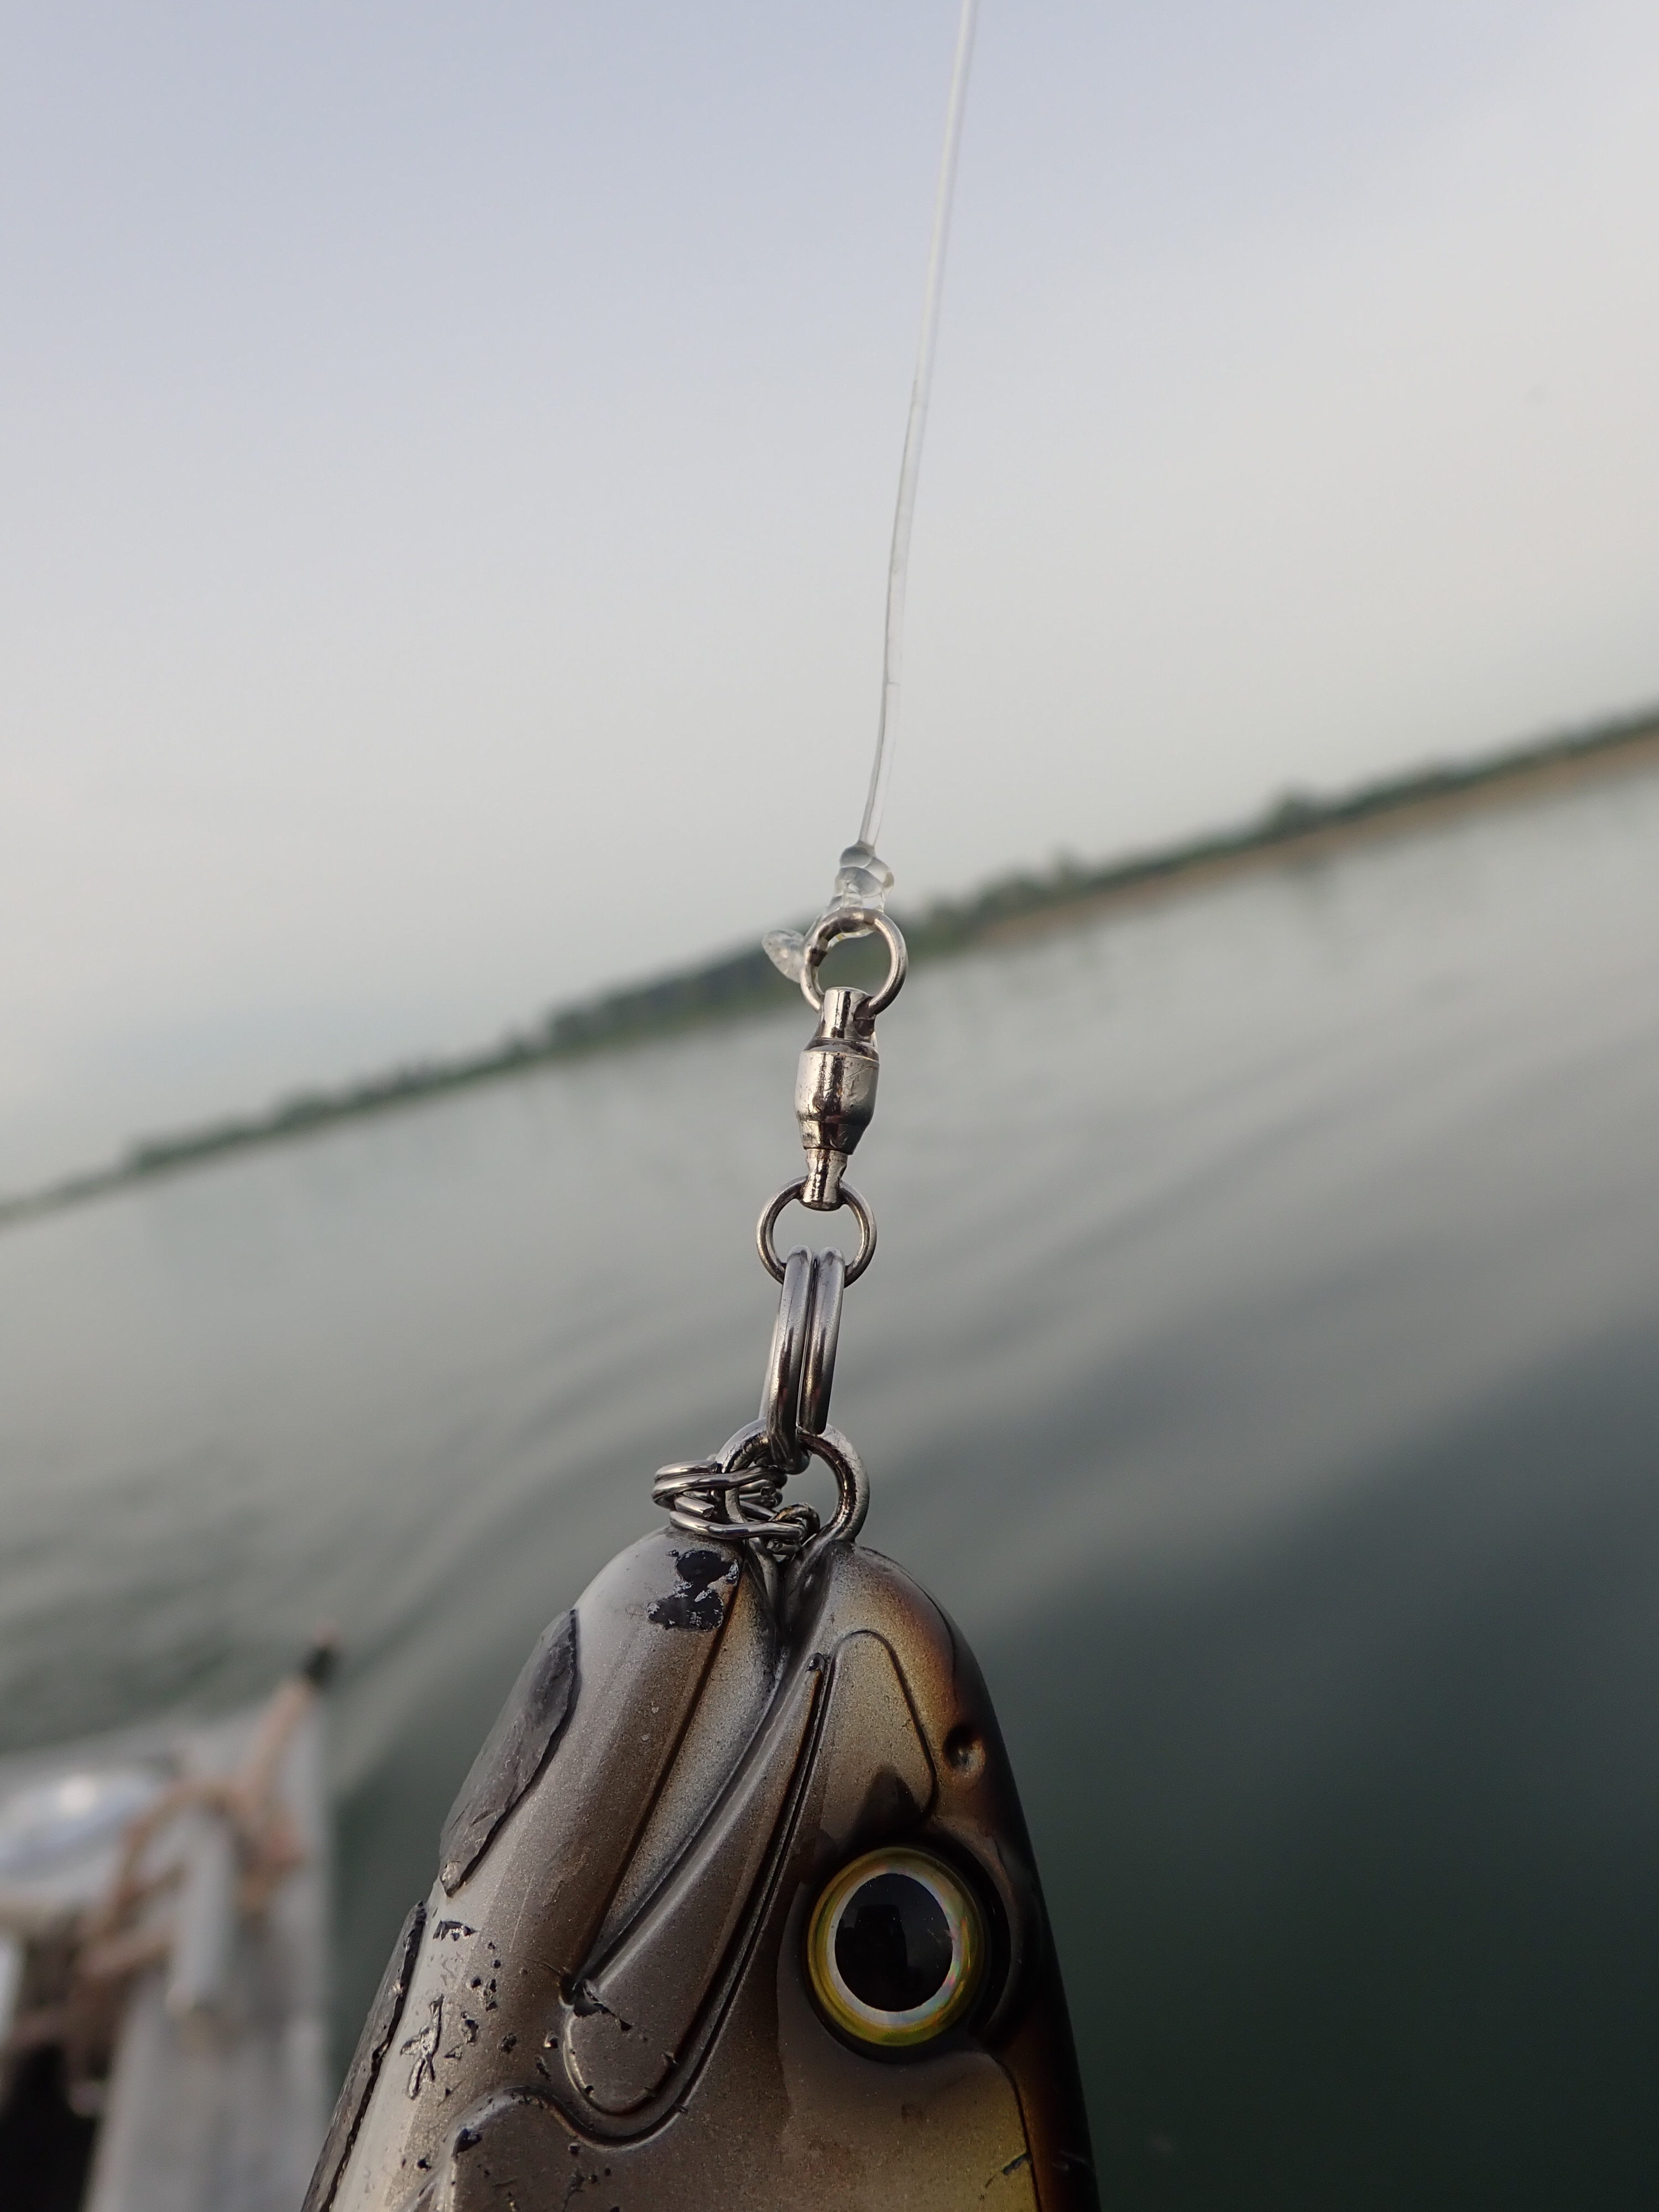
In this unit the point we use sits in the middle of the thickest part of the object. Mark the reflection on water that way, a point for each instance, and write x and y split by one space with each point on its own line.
1260 1364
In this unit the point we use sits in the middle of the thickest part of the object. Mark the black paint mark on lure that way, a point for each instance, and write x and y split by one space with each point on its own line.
383 2017
514 1752
584 2004
694 1603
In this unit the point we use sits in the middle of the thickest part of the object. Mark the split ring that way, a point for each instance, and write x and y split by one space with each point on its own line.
818 1366
854 922
800 1366
852 1482
781 1391
768 1221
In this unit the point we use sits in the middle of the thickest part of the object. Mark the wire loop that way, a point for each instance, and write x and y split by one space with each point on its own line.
767 1245
817 1367
839 921
780 1407
736 1496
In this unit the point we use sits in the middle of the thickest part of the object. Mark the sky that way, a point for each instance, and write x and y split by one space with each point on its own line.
448 454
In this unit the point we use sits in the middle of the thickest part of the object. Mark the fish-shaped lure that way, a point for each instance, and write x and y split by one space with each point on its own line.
729 1914
736 1907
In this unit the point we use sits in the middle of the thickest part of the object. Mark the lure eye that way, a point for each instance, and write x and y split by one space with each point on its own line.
896 1948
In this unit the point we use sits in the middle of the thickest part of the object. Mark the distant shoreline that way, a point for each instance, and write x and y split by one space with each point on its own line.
741 984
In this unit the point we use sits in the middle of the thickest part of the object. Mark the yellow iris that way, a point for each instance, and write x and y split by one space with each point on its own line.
896 1948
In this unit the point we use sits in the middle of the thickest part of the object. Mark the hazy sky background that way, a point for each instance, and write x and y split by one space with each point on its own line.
447 457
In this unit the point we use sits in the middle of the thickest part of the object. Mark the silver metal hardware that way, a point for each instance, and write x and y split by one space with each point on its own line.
800 1365
737 1497
780 1406
836 1093
841 921
707 1498
817 1367
847 1197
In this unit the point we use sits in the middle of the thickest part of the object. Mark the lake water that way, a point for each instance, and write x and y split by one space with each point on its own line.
1261 1362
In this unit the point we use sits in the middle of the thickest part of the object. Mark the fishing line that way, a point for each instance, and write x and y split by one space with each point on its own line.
910 465
863 878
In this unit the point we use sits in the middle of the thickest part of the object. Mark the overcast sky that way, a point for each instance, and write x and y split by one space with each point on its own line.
446 456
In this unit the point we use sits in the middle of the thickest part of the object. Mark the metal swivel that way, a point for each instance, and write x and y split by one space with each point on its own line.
836 1092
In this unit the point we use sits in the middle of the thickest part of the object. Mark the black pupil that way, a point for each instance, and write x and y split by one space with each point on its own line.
893 1943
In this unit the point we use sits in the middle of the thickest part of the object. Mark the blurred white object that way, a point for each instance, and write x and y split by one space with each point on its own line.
204 1923
51 1823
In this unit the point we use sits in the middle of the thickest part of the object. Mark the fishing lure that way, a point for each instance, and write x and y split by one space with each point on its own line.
736 1906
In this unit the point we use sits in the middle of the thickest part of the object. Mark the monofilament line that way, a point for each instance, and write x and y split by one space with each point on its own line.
904 512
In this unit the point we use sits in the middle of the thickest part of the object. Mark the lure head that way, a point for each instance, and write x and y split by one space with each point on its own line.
732 1909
